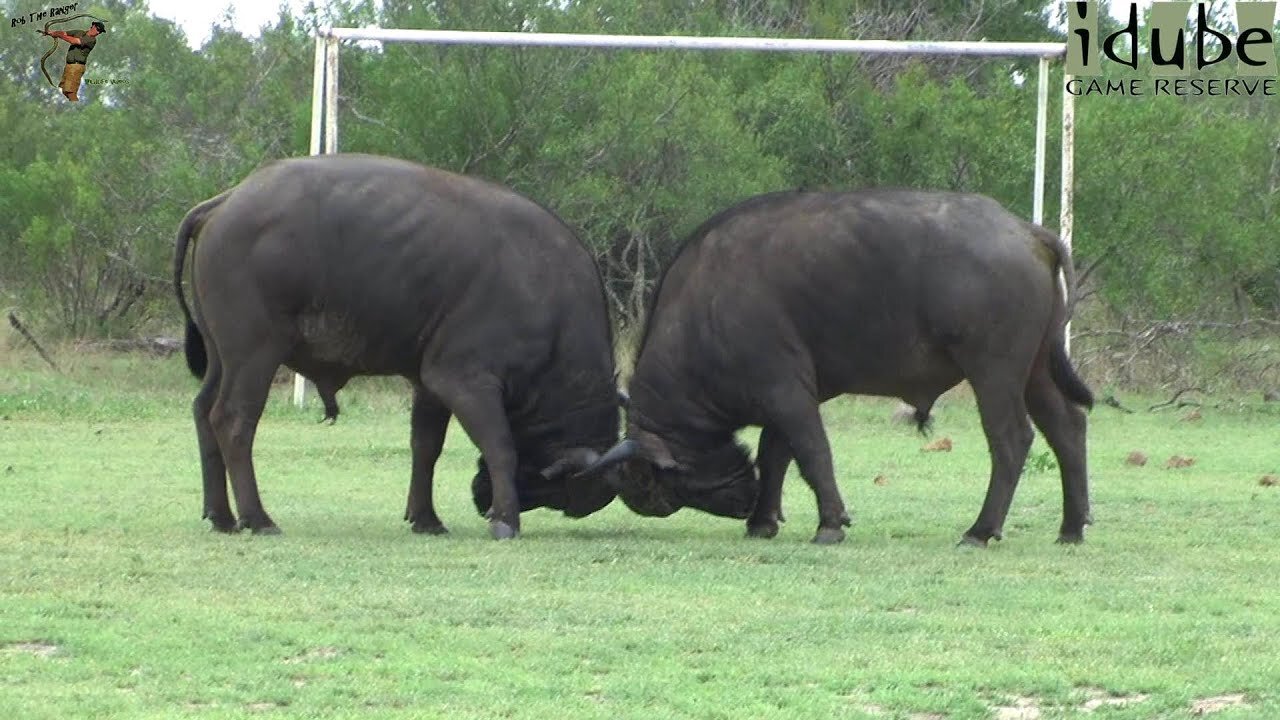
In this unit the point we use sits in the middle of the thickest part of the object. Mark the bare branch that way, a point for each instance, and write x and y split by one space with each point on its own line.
25 333
1174 399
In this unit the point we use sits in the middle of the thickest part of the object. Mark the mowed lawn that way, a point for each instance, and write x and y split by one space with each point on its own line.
116 600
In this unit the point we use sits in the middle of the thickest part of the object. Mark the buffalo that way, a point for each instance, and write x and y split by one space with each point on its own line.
789 299
350 265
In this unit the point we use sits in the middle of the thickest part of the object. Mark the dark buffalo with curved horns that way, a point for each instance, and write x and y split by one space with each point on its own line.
346 265
789 299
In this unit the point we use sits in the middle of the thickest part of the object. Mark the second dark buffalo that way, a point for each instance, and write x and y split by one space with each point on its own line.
789 299
347 265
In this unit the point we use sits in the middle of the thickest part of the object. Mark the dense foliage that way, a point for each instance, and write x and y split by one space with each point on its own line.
1175 209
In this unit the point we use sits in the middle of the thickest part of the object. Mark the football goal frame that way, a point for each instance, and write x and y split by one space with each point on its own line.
324 87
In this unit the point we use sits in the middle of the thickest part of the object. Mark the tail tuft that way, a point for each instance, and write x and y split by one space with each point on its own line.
197 357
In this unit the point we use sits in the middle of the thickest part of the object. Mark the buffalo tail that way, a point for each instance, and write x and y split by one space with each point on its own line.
197 356
1065 377
1060 369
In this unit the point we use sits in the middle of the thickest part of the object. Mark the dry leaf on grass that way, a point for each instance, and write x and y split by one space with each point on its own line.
941 445
1177 461
1192 416
1136 458
1269 481
881 480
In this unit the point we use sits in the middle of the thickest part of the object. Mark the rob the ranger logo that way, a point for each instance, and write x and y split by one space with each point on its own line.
1171 60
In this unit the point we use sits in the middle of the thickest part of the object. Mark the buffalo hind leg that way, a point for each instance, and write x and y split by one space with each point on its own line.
1064 427
478 407
430 422
217 506
241 399
797 418
772 460
1009 436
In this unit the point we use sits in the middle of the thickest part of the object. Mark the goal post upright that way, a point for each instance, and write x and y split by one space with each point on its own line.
324 88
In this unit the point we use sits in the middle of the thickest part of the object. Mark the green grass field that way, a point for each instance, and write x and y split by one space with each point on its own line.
116 600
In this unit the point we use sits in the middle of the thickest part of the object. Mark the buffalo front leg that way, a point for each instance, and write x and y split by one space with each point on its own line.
1009 436
1064 427
772 459
241 399
797 418
430 422
217 506
477 403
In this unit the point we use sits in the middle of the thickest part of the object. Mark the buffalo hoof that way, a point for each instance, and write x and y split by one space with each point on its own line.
502 531
972 541
226 525
829 536
260 527
764 530
1069 538
429 527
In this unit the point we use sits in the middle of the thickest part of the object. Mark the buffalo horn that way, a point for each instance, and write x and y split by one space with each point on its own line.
623 451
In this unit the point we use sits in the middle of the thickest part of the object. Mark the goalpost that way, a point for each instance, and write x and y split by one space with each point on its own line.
324 87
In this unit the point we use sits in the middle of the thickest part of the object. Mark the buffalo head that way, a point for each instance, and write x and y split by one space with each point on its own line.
719 479
559 486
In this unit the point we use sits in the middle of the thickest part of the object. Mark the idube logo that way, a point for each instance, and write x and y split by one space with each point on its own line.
1174 68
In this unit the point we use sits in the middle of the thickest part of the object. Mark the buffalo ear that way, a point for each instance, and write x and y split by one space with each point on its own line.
655 450
570 463
663 460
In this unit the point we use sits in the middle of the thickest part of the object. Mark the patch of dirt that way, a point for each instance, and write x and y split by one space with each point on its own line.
1019 708
1178 461
881 480
1099 698
859 700
1269 481
940 445
1136 459
320 653
1192 416
35 647
1218 703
